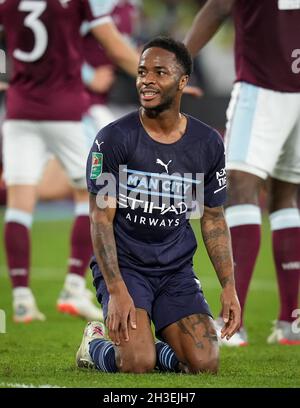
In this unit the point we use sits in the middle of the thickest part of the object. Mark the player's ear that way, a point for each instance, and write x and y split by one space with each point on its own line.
183 82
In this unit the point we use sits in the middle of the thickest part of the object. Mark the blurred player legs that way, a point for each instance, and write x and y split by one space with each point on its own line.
45 103
54 184
27 146
263 140
271 148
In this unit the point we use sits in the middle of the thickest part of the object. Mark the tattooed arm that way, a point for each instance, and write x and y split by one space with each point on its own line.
217 241
121 308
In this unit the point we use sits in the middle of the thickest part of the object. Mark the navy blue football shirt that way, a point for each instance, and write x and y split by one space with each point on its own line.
155 185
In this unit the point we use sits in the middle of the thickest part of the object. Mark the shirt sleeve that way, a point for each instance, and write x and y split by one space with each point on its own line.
97 12
215 178
107 154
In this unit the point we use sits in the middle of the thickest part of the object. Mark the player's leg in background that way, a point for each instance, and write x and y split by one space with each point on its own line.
75 298
256 131
136 356
54 184
243 213
25 156
68 143
285 225
193 339
243 216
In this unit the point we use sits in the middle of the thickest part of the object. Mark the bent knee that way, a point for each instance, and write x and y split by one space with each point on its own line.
204 366
137 364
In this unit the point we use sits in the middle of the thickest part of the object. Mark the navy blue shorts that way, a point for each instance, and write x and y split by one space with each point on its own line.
166 299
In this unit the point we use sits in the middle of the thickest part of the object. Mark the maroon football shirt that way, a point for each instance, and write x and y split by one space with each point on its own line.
45 51
123 16
267 32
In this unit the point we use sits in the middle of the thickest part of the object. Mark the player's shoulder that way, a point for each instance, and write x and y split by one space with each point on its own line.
203 132
120 131
126 123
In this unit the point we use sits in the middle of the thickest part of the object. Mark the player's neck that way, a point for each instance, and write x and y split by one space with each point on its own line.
164 127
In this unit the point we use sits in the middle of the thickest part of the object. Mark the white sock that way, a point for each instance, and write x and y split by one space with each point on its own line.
22 292
75 283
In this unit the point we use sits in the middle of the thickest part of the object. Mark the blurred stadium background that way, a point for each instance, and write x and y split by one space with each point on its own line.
43 353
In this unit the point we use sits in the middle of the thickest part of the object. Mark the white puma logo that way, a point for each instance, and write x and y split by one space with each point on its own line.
98 144
158 161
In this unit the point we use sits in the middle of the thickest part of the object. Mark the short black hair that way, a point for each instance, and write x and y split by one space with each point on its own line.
176 47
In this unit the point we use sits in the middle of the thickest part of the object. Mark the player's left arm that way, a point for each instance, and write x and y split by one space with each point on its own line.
117 48
102 26
217 241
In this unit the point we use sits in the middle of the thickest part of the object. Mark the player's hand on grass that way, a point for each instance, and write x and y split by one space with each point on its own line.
231 312
121 316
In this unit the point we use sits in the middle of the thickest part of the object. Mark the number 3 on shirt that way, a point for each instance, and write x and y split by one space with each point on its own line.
35 9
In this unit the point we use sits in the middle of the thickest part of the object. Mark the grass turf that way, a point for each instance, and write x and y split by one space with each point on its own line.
43 353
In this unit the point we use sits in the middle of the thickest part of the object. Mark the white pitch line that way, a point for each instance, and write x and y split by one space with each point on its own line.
17 385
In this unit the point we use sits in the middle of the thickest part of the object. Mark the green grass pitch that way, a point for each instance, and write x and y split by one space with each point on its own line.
44 353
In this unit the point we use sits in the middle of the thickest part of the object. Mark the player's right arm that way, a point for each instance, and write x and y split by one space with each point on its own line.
121 310
217 241
98 79
102 26
206 23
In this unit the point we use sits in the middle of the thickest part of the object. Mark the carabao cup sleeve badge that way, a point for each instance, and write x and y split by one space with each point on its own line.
97 163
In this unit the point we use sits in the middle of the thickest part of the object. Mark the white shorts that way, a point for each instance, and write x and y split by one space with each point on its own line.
263 132
95 119
28 145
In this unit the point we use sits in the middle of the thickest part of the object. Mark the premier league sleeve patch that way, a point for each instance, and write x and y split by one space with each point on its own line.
97 164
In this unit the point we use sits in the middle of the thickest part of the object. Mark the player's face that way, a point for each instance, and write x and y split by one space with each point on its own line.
158 79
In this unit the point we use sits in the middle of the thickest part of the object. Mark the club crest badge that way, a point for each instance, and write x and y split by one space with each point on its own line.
97 163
